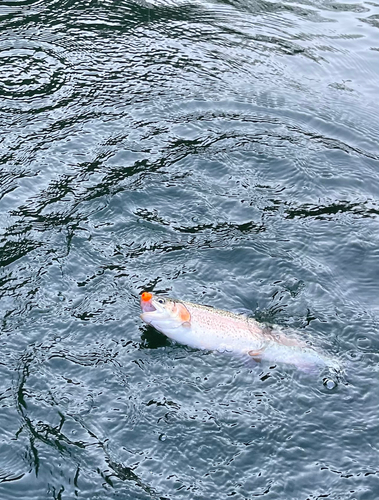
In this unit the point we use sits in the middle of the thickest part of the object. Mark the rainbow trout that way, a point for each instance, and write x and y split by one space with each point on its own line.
204 327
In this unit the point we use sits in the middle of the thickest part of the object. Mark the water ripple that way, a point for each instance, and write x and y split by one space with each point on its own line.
220 152
35 75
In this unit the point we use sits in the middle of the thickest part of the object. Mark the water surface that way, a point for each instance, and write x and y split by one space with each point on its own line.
224 153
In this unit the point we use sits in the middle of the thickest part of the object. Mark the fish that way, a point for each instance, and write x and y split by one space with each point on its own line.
208 328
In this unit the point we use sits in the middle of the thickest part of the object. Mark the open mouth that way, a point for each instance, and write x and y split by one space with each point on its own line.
146 302
147 307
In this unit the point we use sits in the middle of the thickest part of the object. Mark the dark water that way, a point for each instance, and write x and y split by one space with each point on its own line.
225 153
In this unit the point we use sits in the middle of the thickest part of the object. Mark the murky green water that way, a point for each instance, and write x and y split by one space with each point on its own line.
224 153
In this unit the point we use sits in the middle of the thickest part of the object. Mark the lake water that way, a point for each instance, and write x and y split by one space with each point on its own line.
224 153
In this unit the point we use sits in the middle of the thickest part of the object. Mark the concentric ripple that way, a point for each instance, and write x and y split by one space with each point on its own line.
34 75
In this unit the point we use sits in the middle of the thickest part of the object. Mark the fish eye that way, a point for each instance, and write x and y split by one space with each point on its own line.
161 300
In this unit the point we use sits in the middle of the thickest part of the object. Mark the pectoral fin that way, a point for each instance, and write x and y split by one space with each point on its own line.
183 313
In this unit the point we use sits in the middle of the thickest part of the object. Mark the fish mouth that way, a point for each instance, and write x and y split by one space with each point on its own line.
147 306
152 310
150 313
147 302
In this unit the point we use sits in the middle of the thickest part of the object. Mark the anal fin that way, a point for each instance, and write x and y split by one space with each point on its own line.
256 354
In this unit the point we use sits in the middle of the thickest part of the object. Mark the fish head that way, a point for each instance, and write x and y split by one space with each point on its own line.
168 316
